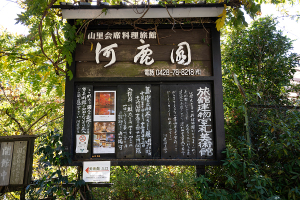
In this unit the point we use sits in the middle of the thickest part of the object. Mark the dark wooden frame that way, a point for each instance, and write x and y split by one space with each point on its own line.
215 80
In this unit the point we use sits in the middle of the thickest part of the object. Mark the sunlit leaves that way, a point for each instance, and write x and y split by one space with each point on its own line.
29 87
221 21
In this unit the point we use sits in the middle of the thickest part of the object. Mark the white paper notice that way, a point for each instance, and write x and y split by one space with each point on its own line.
96 171
82 143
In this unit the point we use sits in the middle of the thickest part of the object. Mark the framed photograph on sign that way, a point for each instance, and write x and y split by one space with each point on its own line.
104 138
105 106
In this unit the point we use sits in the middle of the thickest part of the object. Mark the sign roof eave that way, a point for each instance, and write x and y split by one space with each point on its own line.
128 13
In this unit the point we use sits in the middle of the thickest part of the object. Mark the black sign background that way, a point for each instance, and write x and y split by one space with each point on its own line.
134 128
184 110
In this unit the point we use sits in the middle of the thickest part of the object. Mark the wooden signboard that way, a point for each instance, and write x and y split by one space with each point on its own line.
146 97
16 158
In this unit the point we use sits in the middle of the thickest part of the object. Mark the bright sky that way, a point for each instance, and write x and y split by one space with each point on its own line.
8 12
291 28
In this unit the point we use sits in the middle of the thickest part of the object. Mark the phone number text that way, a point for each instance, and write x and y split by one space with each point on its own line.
172 72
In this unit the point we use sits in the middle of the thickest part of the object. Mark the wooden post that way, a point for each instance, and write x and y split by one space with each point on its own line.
82 190
85 192
23 192
200 170
247 124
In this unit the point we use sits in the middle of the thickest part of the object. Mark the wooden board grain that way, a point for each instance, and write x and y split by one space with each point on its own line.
5 162
126 52
163 50
128 69
164 36
18 163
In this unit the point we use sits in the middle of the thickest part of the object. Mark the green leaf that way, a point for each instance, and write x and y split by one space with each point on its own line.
104 10
70 74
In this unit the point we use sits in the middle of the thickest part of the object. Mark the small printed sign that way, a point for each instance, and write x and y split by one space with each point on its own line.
82 143
96 171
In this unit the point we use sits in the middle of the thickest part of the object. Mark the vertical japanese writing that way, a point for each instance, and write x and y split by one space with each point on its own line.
182 123
186 121
169 132
142 119
125 125
6 152
174 120
170 121
78 111
148 141
130 116
138 146
18 162
187 124
204 122
89 109
83 118
83 121
134 122
193 125
83 111
120 133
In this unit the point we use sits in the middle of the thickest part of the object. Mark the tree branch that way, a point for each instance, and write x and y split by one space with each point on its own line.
21 58
81 194
87 23
2 88
57 35
37 120
48 122
141 16
20 127
53 38
174 20
41 29
56 67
